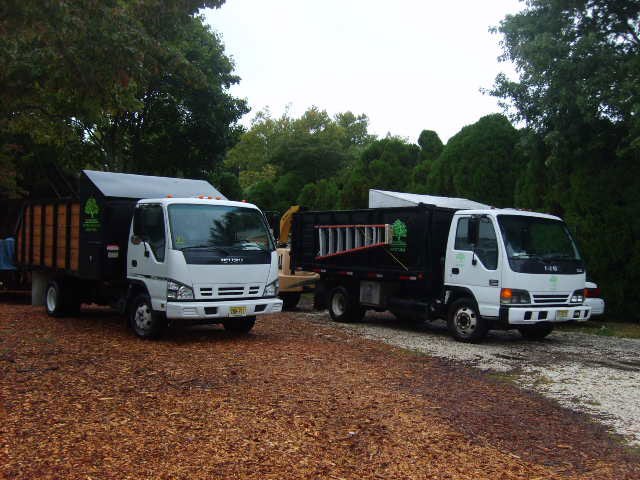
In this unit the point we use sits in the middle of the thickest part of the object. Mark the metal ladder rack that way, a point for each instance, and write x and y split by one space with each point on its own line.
342 239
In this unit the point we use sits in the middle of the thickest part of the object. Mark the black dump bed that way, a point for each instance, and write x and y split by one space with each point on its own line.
414 251
87 236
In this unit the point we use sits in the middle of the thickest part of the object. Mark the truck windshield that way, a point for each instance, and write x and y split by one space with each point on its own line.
218 226
539 245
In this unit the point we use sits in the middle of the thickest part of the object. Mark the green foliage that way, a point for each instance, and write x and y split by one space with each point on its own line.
290 153
577 90
322 195
138 86
227 183
479 163
430 144
386 164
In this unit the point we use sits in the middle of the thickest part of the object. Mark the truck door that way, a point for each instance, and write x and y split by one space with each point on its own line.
475 267
146 252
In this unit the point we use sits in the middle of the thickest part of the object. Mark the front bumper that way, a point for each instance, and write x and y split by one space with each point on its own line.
221 310
529 315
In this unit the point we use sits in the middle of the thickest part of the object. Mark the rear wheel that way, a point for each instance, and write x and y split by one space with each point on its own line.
143 320
537 331
239 325
465 323
54 299
344 307
290 300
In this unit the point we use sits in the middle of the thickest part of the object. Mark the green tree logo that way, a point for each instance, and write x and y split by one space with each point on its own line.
91 207
399 230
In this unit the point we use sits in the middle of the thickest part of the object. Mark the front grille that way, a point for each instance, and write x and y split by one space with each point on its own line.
228 291
231 291
551 298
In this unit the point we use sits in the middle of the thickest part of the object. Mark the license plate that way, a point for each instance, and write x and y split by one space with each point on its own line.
562 314
237 311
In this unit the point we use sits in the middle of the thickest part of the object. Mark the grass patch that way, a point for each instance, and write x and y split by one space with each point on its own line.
604 329
506 377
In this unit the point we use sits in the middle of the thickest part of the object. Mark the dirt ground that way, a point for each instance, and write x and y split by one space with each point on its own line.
588 373
83 398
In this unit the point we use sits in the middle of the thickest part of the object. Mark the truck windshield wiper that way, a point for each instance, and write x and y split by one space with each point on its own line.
559 257
522 255
210 247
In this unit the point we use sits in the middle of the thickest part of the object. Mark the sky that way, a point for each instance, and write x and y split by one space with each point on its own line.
409 65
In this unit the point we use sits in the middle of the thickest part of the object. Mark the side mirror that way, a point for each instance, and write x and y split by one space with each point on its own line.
473 230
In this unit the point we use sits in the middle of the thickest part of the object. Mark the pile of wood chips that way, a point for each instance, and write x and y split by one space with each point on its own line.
83 398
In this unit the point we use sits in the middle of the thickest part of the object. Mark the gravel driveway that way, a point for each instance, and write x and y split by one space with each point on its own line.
587 373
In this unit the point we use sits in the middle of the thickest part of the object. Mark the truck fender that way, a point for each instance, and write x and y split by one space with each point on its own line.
452 294
136 287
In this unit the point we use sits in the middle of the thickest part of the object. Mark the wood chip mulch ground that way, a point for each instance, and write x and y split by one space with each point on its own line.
83 398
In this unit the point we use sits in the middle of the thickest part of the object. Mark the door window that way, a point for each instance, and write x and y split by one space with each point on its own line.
487 248
149 225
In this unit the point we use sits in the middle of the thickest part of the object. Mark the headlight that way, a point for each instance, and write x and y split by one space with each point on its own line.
178 291
271 290
578 296
510 296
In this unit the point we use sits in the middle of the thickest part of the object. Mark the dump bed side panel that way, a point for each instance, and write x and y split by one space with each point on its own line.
49 236
415 254
406 253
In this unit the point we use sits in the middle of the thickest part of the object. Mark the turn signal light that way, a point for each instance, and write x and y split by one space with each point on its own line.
506 293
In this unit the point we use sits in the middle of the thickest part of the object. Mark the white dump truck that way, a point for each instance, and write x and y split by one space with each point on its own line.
158 249
427 257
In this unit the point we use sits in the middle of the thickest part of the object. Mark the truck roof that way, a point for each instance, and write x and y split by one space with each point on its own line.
384 198
507 211
128 185
199 201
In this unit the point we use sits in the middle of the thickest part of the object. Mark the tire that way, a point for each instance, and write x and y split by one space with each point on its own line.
144 322
537 331
290 300
54 299
465 323
239 325
344 307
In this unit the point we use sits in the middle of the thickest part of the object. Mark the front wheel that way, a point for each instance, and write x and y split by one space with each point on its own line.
344 307
537 331
239 325
465 323
144 321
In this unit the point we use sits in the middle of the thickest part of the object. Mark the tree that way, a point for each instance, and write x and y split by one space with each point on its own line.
292 153
128 86
479 163
385 164
430 144
577 91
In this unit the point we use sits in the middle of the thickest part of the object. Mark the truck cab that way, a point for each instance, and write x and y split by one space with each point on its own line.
200 260
511 269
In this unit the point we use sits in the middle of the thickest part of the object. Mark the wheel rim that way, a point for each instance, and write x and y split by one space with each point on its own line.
143 317
339 304
52 299
465 321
